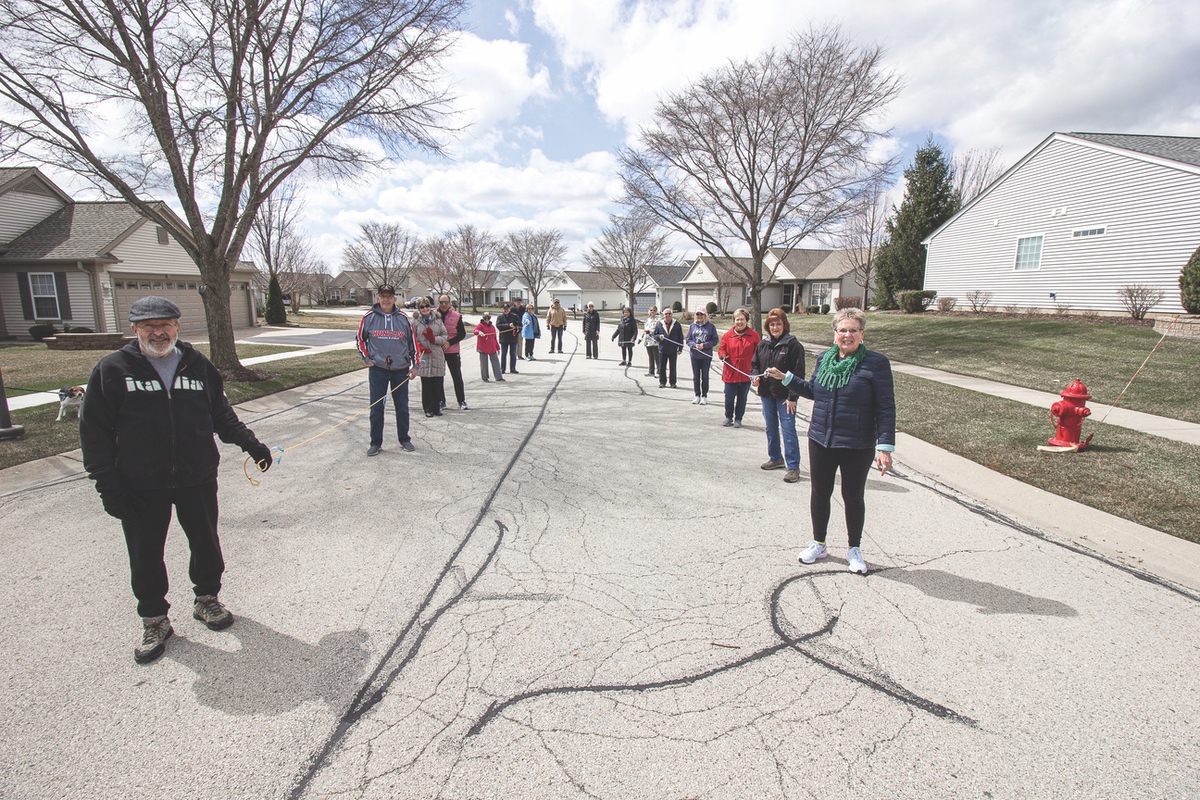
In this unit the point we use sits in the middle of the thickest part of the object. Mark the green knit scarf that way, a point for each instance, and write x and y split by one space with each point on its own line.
834 374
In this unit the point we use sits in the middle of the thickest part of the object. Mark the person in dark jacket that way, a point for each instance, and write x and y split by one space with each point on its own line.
625 335
702 341
591 331
146 428
779 351
669 335
508 324
853 426
385 342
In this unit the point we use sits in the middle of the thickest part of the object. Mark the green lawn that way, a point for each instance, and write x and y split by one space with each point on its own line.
1039 353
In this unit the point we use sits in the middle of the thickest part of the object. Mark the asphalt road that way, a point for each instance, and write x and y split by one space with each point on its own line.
584 587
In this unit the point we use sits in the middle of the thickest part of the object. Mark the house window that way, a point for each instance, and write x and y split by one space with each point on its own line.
162 235
1029 253
820 294
44 294
789 295
336 294
1089 233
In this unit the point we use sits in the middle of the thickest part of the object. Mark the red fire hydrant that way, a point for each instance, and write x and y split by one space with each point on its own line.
1068 415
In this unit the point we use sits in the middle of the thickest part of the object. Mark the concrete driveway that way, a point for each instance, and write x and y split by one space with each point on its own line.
584 587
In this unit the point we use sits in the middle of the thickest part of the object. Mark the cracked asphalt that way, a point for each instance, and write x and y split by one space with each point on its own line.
584 587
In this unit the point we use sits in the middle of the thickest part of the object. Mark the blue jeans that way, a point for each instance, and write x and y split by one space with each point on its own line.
735 400
379 379
776 416
700 366
508 355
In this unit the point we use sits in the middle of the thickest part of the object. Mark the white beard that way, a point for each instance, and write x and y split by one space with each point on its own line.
156 349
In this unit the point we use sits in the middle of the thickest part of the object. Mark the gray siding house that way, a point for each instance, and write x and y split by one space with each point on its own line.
1077 218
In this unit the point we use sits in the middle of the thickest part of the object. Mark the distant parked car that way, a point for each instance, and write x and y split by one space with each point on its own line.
411 302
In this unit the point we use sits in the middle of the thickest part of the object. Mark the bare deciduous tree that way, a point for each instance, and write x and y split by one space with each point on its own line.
435 266
763 153
474 253
863 233
535 256
220 103
384 252
281 248
626 247
973 171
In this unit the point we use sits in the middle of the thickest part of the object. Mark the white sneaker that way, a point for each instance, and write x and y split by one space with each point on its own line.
855 560
703 401
814 551
696 401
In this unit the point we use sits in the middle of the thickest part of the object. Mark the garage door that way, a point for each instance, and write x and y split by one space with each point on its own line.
567 300
183 292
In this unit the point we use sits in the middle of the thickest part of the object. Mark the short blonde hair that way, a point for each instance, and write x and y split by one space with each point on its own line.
853 313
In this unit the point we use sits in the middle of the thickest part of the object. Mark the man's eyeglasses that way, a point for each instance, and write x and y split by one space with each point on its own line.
850 332
156 327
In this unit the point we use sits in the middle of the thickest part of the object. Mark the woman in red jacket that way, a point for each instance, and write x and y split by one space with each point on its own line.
487 344
737 351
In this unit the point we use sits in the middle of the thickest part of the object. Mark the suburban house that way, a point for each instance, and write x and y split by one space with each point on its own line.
1076 219
796 277
666 283
82 264
575 288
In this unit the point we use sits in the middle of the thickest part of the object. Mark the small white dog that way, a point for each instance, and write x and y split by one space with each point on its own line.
69 397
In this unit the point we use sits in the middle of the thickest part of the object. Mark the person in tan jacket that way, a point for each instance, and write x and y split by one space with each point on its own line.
556 321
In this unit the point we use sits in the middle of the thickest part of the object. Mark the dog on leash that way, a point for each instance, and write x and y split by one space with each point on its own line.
69 397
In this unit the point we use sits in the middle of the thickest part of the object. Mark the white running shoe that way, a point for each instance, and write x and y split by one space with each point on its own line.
855 560
703 401
814 551
696 401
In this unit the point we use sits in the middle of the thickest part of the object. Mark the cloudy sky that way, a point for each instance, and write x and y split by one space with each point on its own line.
549 89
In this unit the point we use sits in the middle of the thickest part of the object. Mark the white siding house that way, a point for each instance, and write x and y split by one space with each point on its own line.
1080 216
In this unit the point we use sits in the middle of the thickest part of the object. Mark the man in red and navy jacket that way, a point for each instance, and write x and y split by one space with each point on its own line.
385 341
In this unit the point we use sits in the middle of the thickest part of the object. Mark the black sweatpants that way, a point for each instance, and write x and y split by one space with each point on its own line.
823 465
146 540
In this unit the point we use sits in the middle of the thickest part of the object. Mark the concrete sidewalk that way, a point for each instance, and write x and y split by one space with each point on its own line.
585 587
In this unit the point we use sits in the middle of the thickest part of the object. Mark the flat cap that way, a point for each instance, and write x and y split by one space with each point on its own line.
153 307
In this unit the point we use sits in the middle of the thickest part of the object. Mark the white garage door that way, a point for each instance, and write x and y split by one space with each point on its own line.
183 291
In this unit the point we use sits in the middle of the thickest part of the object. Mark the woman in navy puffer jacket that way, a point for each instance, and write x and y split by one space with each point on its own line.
853 426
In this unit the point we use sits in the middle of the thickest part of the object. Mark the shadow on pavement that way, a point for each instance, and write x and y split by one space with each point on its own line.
988 597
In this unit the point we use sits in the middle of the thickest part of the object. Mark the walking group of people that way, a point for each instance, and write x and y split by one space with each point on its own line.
152 408
853 425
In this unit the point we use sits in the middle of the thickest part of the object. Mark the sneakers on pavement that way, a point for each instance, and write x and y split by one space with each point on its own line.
209 610
814 551
737 423
728 423
696 400
408 446
854 561
373 450
791 476
155 632
703 401
773 465
463 407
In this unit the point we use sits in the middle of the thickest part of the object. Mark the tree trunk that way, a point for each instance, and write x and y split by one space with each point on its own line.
215 296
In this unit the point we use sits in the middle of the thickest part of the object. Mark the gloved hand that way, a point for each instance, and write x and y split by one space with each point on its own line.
261 455
118 504
429 335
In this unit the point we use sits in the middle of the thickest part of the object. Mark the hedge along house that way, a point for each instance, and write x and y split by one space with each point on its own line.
1076 219
82 264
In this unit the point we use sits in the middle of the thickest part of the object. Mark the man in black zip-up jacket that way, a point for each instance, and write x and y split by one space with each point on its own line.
146 428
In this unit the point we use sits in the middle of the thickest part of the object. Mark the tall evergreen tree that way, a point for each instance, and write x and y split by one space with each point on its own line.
275 313
1189 284
929 200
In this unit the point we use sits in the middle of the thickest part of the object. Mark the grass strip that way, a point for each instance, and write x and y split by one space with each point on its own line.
1142 478
45 437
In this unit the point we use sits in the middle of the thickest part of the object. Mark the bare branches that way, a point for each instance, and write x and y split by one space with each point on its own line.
219 102
474 255
973 171
766 152
386 253
627 246
1139 298
863 233
534 255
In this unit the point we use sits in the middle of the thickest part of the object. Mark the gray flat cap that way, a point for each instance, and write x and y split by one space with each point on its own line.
153 307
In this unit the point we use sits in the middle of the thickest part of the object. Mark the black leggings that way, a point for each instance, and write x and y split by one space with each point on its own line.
823 464
627 353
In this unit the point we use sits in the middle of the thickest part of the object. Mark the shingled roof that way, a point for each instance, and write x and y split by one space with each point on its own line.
1184 149
80 231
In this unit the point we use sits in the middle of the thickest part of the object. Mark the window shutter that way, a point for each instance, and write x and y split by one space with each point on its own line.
26 295
64 296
